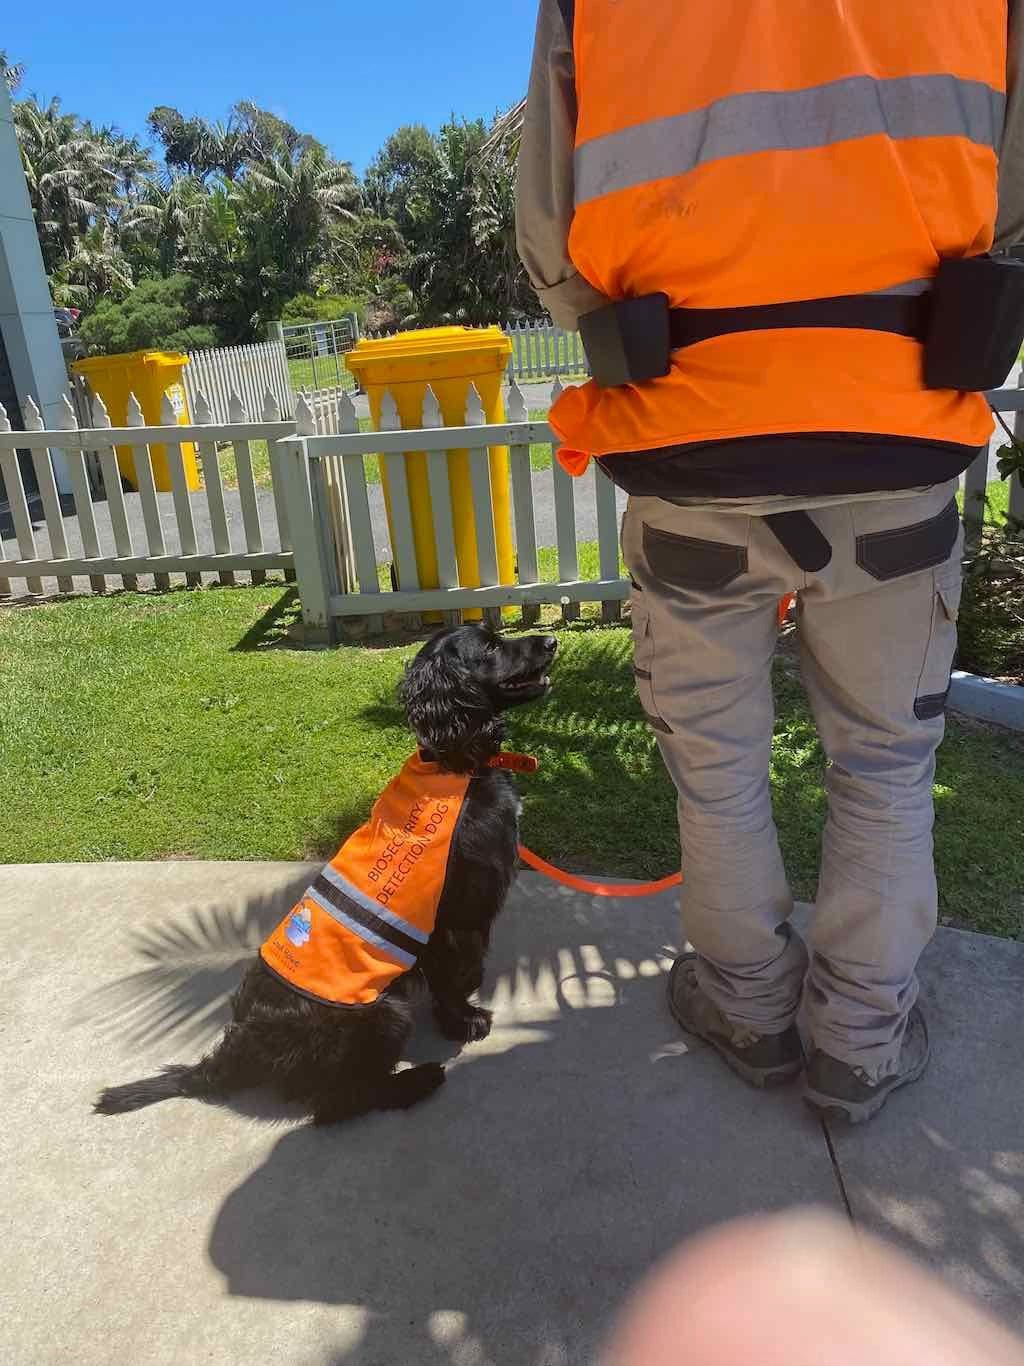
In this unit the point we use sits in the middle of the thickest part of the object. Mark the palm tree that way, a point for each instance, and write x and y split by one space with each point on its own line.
493 221
502 145
96 268
306 197
131 163
12 72
70 175
164 217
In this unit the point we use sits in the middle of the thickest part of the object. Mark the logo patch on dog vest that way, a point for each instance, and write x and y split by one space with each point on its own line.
300 927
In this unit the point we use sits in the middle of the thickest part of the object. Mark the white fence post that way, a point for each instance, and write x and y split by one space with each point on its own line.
309 565
42 463
81 492
542 350
115 494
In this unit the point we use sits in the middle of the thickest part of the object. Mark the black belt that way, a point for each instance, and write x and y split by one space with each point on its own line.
632 341
904 314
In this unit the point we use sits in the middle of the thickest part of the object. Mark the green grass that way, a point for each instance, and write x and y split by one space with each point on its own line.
997 500
320 372
181 724
260 457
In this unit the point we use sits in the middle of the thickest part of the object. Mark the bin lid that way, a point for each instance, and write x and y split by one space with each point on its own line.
430 343
95 363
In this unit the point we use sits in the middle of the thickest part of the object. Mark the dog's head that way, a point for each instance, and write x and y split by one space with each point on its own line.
456 688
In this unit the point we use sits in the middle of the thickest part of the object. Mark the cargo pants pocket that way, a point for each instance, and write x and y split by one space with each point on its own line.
687 562
934 682
643 662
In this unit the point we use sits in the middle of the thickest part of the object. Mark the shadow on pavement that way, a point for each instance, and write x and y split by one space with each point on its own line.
189 968
502 1222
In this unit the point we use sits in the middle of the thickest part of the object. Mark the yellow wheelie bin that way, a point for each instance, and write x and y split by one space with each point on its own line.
147 375
449 360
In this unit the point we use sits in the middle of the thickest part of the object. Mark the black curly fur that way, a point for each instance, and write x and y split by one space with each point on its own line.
339 1062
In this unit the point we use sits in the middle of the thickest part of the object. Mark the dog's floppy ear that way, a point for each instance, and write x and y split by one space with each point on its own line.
448 711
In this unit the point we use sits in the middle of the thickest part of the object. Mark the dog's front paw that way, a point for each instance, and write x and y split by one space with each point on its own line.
469 1026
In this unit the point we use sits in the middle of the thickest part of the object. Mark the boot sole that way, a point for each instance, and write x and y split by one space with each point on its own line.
832 1109
764 1078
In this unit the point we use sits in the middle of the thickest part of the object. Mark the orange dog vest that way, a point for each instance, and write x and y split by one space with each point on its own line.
365 919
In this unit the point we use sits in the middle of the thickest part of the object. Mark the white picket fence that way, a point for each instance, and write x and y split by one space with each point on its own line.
340 577
541 350
125 535
323 518
247 372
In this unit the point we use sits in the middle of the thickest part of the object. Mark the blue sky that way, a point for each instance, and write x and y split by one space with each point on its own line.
348 72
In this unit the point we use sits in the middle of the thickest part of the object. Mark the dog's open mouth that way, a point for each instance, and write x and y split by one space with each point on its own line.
537 680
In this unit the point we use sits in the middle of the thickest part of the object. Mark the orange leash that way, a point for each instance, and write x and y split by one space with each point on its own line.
521 763
582 884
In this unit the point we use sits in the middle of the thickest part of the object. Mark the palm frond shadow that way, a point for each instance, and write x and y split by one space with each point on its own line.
189 968
191 964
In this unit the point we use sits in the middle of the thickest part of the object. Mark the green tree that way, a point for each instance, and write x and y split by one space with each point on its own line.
271 136
158 313
12 72
70 172
97 268
157 226
186 142
265 238
493 223
399 175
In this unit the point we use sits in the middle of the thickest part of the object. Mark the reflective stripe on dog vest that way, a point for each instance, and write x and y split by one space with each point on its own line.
364 920
757 152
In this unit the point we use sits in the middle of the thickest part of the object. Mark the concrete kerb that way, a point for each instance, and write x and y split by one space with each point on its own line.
987 700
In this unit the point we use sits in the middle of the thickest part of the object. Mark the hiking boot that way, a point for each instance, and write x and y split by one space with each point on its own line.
838 1091
760 1059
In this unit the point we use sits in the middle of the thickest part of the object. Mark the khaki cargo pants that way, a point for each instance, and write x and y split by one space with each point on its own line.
877 635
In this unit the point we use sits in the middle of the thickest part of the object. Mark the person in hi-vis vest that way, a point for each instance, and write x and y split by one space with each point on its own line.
775 186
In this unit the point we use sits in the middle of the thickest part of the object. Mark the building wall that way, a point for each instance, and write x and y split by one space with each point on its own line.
27 325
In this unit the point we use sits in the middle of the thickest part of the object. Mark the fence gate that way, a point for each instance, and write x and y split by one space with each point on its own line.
316 352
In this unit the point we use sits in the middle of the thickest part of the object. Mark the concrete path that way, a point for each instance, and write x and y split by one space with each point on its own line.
499 1224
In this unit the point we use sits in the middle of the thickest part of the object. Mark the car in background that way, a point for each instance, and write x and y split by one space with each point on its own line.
67 320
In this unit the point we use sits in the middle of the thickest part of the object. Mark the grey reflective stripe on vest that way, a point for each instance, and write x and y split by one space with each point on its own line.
331 875
789 120
407 960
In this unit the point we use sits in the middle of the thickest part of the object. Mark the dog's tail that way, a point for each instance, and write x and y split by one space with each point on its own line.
136 1095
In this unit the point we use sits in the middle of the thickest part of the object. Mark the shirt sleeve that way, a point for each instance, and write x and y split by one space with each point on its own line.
545 194
1010 219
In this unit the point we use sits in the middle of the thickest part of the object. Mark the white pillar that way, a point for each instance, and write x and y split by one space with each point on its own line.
27 323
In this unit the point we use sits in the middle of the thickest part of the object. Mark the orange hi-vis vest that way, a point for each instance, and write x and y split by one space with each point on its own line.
365 919
748 152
